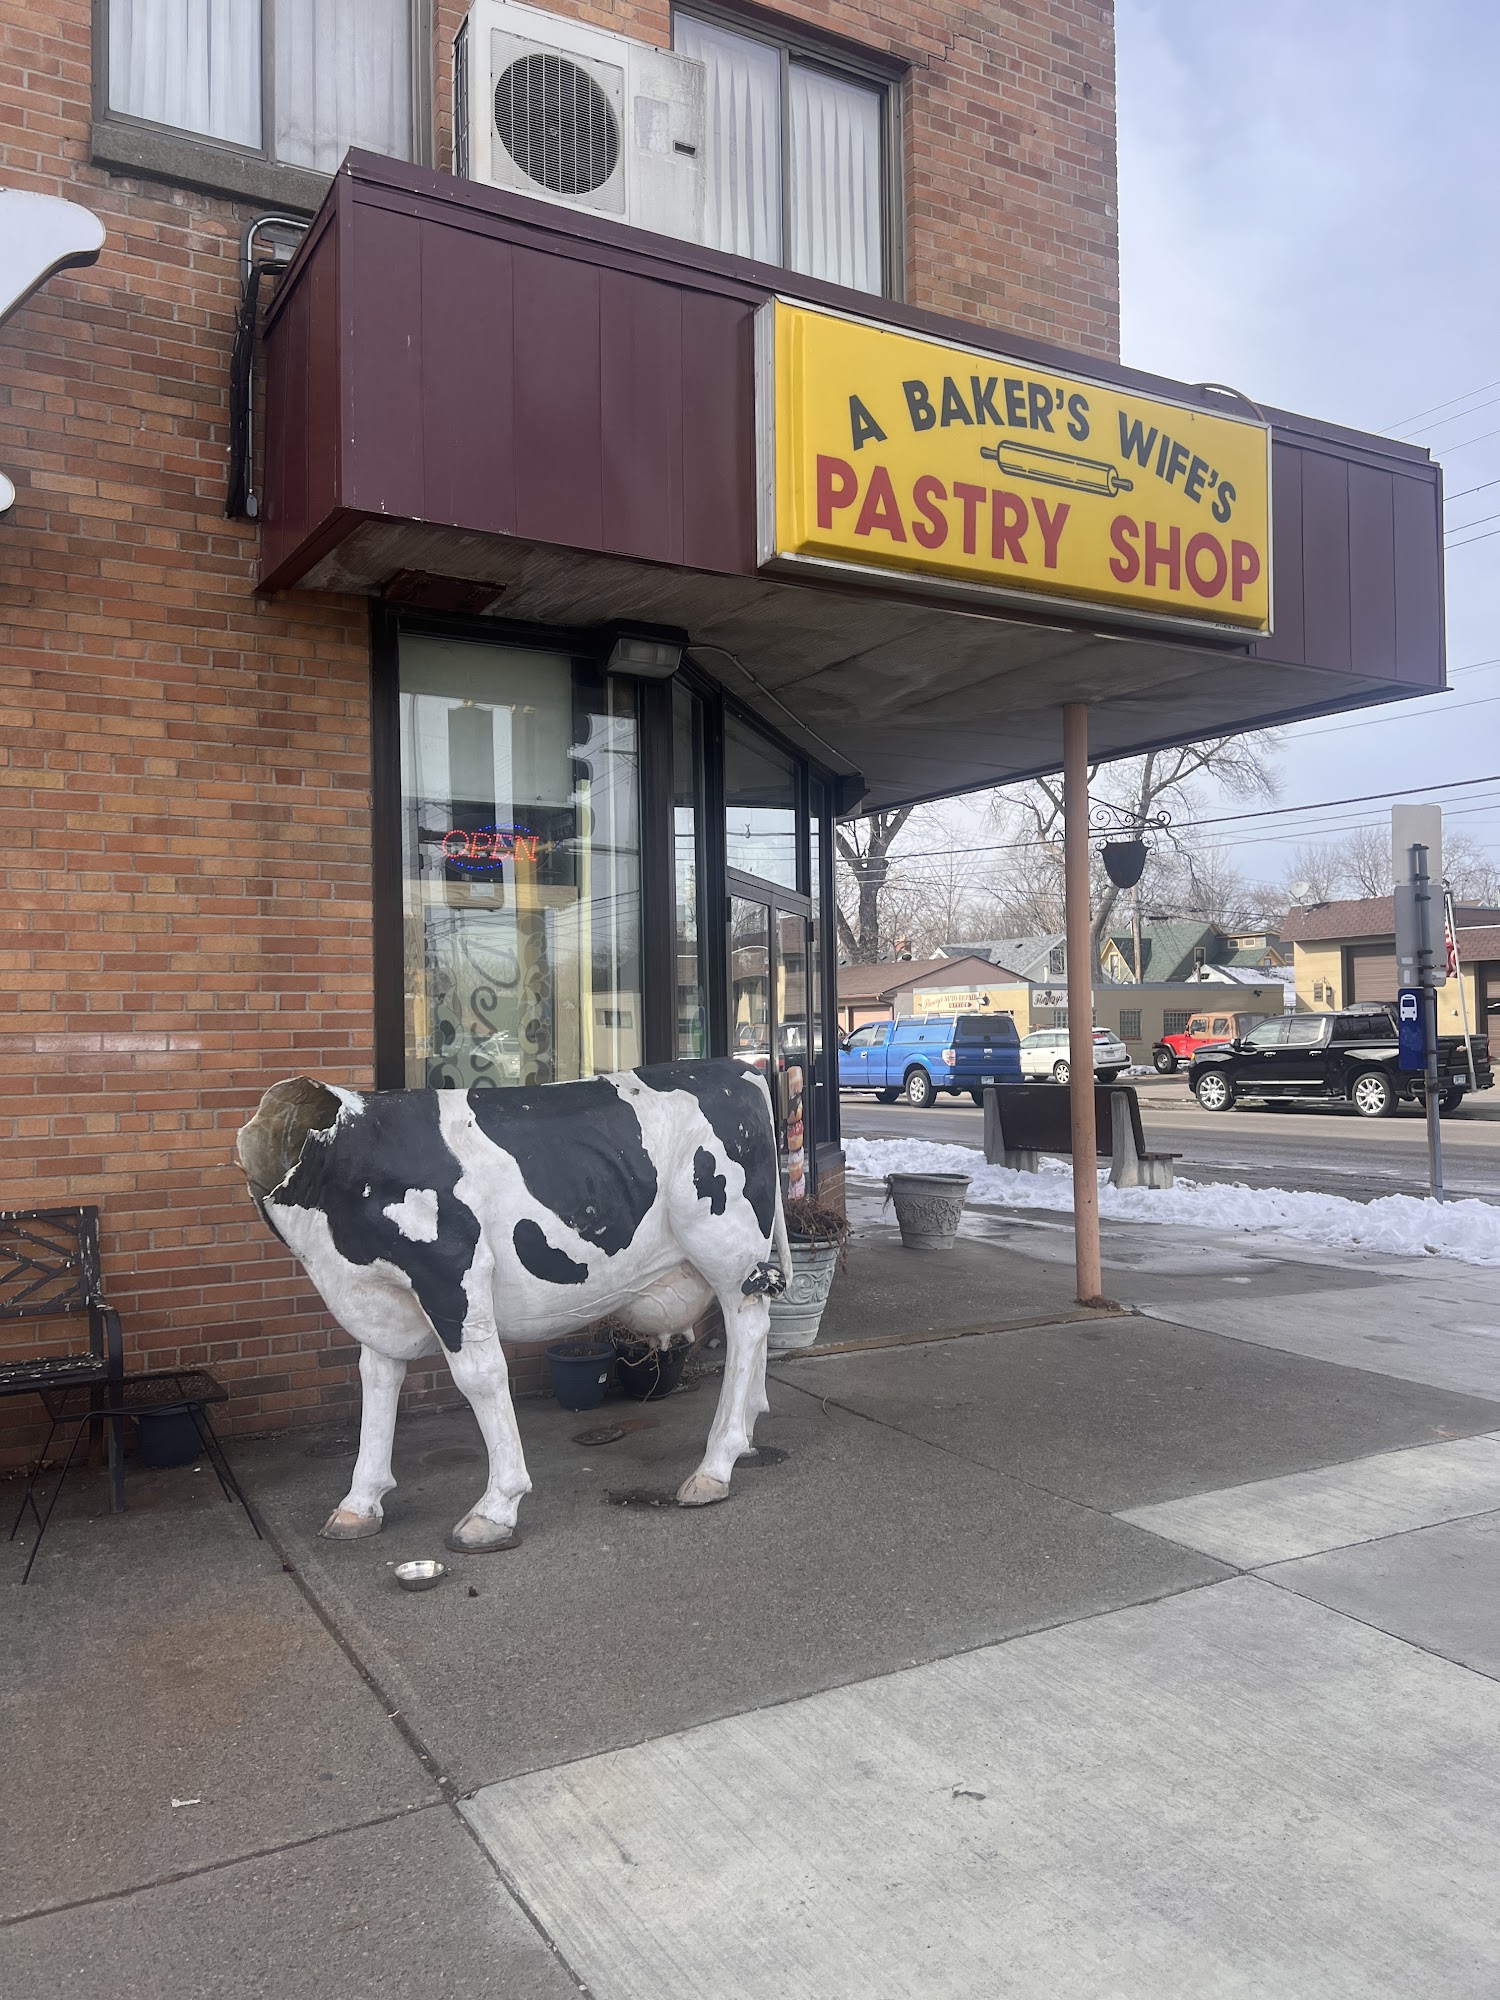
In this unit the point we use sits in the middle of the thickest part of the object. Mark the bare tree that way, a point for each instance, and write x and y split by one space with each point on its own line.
1359 864
864 847
1143 786
1471 871
1363 861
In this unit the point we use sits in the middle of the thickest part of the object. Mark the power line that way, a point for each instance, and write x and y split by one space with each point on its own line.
1458 416
1374 721
1448 546
1386 429
1463 527
1464 491
1221 819
1464 443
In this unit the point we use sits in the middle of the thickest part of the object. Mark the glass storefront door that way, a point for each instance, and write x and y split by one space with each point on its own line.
770 1026
520 866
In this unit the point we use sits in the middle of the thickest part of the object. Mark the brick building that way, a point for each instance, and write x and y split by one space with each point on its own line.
205 716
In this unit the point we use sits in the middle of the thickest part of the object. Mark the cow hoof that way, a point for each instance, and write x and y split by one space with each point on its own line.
344 1526
476 1536
702 1491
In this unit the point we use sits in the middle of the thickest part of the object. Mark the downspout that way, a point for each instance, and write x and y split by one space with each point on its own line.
242 502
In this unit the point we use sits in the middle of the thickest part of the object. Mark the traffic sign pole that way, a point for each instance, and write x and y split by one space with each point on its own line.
1427 970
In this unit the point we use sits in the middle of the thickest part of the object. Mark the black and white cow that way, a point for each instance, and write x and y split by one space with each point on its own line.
445 1219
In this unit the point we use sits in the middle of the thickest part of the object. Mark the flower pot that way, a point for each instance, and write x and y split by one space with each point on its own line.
797 1313
580 1372
167 1437
928 1207
652 1372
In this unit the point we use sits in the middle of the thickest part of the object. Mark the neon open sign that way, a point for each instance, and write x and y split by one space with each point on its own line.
483 850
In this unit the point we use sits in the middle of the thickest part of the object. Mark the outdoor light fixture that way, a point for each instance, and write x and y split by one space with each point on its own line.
650 656
1125 840
1124 861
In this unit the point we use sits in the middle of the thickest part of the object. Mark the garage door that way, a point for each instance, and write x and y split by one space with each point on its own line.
1372 973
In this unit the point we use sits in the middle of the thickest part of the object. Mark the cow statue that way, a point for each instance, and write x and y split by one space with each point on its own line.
446 1219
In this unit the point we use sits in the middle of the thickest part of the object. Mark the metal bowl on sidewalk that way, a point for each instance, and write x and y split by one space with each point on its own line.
420 1575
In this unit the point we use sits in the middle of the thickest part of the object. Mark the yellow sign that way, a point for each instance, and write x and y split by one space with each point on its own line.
893 453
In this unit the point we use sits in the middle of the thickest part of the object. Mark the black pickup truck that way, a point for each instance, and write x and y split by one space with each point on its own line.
1347 1058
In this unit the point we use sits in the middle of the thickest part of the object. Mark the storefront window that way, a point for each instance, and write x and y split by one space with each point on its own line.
793 1076
750 982
520 866
817 1081
760 806
687 844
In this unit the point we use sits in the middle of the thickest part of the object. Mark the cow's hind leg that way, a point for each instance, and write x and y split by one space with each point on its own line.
360 1512
479 1370
742 1398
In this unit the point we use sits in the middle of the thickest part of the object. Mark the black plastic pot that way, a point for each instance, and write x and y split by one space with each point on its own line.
580 1372
651 1372
168 1437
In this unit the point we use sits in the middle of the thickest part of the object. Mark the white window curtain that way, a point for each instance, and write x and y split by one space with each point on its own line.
742 121
343 78
835 165
191 64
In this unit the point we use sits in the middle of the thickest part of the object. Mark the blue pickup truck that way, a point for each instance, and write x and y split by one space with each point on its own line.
921 1054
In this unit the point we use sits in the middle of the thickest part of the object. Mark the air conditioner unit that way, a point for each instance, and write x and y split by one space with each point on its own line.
568 113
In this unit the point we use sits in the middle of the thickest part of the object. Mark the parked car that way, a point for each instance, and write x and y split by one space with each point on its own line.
1201 1032
922 1054
1045 1053
1346 1058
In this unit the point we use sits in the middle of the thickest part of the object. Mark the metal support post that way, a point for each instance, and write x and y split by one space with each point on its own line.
1434 1138
1080 1001
1427 903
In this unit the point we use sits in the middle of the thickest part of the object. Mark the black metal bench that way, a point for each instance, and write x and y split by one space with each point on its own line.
49 1271
1024 1120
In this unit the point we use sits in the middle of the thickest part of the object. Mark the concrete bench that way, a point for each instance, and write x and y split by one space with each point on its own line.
1024 1120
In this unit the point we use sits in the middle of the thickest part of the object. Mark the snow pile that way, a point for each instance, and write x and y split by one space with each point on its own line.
1397 1225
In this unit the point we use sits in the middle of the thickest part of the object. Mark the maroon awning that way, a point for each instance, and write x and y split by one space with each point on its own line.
560 411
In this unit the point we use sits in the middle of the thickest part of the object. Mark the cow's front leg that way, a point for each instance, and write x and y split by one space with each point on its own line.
742 1398
479 1370
360 1512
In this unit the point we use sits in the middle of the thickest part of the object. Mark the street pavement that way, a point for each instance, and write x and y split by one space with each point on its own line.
1133 1656
1326 1149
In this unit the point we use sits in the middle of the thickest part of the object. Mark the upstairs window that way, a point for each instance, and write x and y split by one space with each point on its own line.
294 81
799 154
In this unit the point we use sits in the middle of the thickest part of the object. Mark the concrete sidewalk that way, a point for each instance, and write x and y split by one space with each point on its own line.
1133 1657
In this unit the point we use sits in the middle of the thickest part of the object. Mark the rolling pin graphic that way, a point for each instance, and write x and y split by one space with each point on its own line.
1057 468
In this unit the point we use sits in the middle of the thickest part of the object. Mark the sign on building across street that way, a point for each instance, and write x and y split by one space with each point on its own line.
890 453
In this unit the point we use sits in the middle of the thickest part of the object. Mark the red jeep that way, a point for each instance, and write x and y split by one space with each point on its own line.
1201 1032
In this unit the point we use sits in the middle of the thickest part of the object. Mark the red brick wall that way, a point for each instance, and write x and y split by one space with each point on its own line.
184 773
184 805
1009 127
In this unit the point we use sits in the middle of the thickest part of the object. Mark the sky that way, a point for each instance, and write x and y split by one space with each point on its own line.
1309 193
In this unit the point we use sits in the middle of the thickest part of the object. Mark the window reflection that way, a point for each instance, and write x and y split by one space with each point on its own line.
520 865
760 806
750 982
687 844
